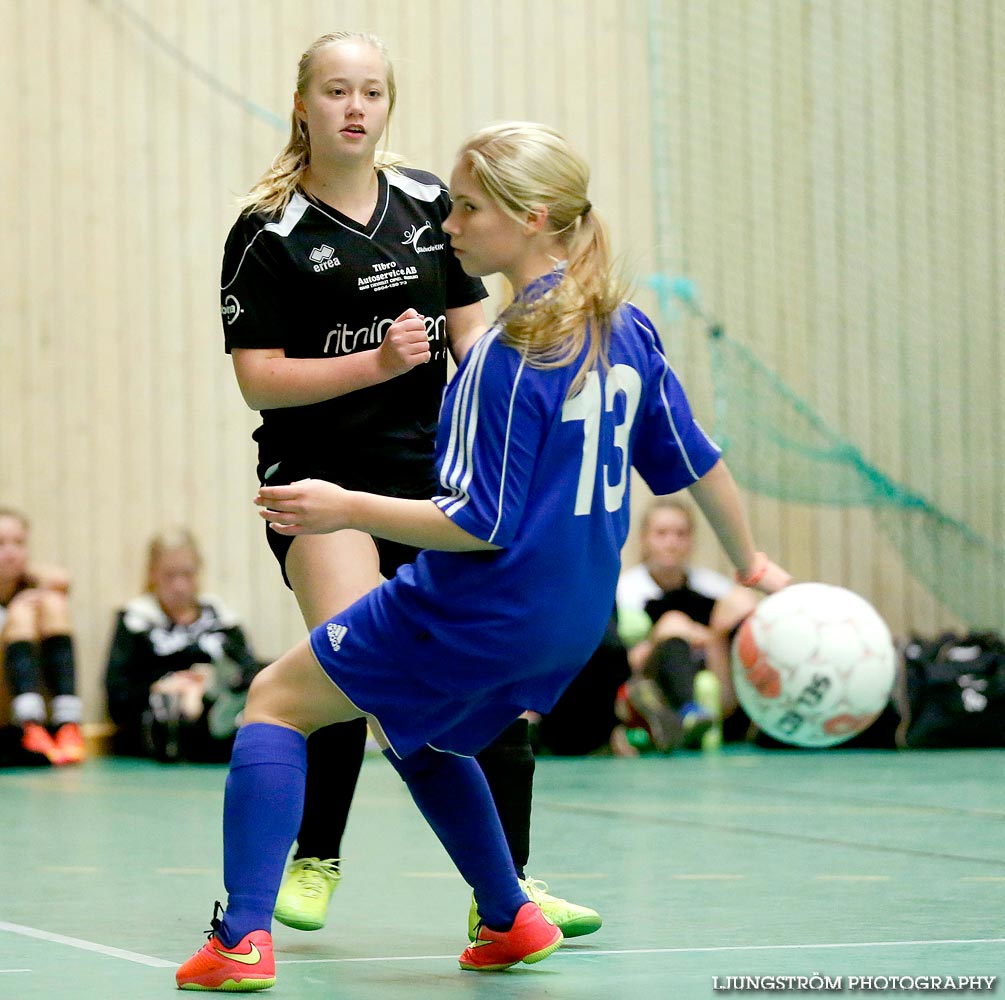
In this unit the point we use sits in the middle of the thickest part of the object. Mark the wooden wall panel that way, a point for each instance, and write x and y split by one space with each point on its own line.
14 287
991 24
830 175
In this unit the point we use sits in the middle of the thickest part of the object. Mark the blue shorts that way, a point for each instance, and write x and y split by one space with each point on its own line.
392 666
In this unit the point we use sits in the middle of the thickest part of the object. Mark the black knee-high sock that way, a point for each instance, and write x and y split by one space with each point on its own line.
58 668
58 665
24 678
20 660
334 758
508 763
675 667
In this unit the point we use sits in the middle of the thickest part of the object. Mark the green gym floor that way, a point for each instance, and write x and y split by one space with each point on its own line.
745 863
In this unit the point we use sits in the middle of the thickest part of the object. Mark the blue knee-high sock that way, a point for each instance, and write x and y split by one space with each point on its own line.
261 812
453 796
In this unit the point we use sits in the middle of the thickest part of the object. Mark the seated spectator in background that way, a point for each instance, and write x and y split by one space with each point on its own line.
179 665
36 648
677 622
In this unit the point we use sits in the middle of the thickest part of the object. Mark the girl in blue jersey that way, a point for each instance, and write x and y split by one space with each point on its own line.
538 433
339 300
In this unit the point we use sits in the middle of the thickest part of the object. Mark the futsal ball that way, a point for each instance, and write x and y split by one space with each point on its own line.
813 665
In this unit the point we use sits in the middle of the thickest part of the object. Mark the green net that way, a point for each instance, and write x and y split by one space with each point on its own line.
777 445
825 171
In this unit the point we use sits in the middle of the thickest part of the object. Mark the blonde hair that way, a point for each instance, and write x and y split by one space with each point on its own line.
171 540
278 184
15 515
670 502
522 167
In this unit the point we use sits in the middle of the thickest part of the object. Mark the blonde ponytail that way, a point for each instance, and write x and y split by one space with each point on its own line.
523 166
272 193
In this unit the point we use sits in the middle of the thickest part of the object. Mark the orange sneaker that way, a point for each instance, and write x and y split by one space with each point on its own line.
533 937
36 739
70 744
250 965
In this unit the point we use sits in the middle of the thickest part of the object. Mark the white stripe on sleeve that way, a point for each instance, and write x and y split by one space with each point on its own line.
666 403
293 213
455 472
505 459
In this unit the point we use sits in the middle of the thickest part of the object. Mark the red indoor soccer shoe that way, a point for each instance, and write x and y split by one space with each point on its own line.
249 965
533 937
70 743
36 739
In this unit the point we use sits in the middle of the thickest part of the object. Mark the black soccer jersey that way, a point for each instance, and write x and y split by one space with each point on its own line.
318 284
697 606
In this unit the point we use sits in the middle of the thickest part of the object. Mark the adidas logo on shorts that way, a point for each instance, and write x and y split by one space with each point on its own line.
335 635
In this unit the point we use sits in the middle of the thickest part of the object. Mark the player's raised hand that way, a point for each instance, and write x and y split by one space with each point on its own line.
774 579
765 575
405 344
306 507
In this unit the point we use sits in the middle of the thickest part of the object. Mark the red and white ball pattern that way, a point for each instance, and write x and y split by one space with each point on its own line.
813 665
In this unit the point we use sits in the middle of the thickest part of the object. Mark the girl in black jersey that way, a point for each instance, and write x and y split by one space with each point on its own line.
340 299
36 648
179 663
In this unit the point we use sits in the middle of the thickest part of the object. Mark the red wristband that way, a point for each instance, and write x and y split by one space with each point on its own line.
754 575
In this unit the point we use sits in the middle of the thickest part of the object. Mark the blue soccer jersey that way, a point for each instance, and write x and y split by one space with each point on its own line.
457 645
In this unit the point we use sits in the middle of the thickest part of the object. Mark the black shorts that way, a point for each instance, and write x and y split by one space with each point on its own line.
392 554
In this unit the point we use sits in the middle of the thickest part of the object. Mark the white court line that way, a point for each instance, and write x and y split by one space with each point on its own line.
160 963
590 953
129 956
2 971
